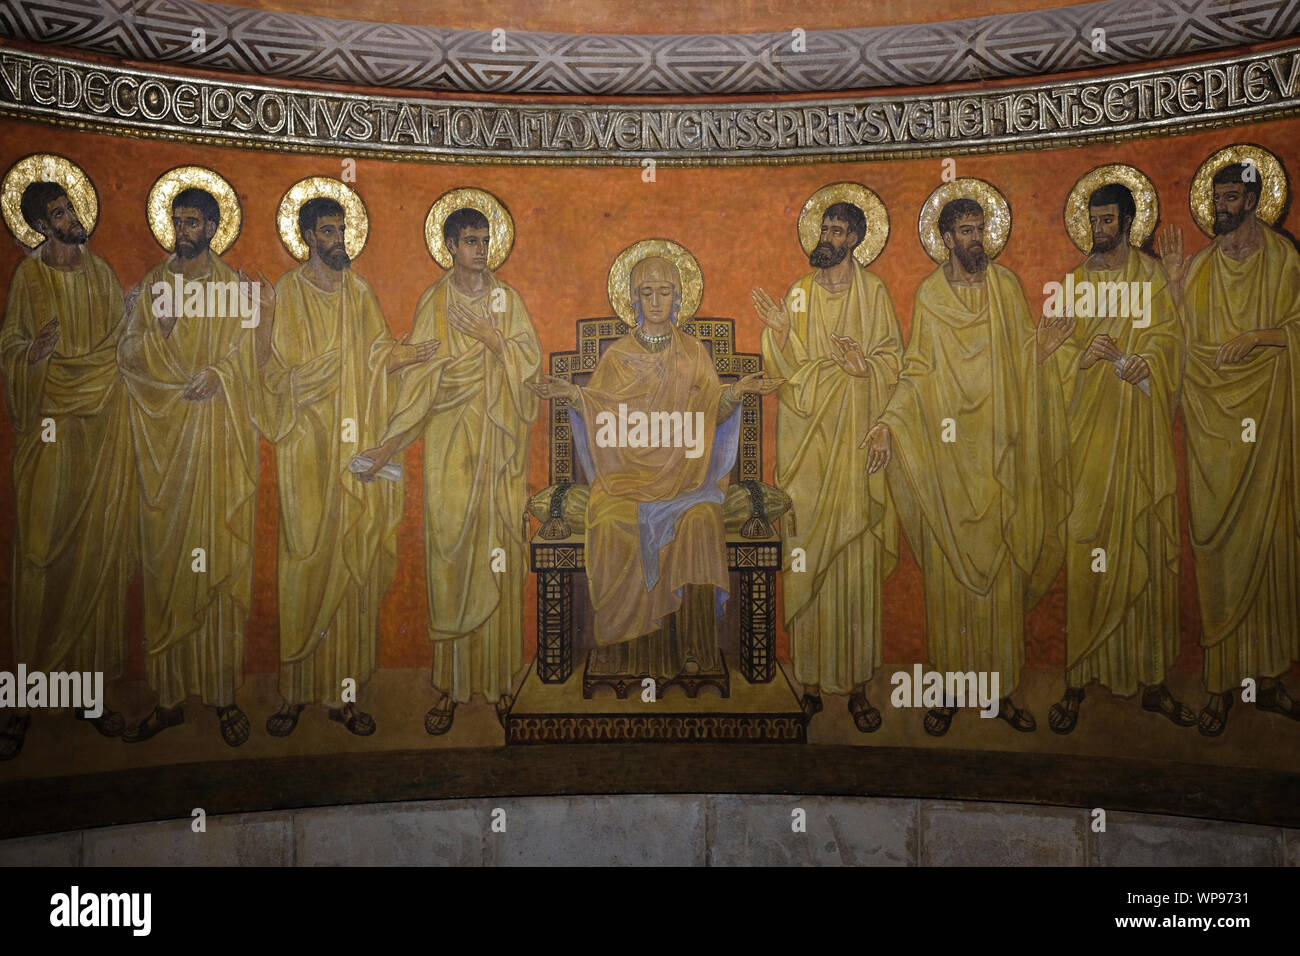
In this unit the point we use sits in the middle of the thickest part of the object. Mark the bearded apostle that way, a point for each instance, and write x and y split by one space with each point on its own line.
190 357
1120 370
74 481
976 436
472 407
656 549
329 394
1241 402
835 340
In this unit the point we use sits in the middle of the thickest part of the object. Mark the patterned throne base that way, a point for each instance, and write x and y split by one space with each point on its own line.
683 653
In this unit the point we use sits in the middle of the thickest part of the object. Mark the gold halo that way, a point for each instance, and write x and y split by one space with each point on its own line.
1272 197
355 217
810 219
997 216
501 227
1079 226
47 167
172 182
620 277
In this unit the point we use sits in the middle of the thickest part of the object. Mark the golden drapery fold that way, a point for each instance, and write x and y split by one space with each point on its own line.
1122 623
198 466
473 411
1245 519
848 527
985 513
328 398
75 486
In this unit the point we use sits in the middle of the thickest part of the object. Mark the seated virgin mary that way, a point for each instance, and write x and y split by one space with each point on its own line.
657 432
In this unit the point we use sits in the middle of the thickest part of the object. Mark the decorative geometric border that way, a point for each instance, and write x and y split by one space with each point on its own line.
304 47
1244 88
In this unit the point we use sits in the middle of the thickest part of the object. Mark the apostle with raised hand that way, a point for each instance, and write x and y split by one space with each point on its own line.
197 332
1121 370
835 339
74 481
472 407
329 389
975 441
1240 302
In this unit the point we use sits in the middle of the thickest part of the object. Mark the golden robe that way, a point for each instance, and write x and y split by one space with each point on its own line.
197 464
473 411
75 496
1245 517
1122 624
338 534
985 514
847 525
680 378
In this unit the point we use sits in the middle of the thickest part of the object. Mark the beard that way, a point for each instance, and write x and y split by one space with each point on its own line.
973 258
336 258
1226 222
1105 243
74 235
190 250
825 256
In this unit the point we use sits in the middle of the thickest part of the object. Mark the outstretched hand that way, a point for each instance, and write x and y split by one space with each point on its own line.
553 387
756 384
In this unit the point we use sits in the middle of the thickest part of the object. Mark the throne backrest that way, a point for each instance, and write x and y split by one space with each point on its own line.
718 337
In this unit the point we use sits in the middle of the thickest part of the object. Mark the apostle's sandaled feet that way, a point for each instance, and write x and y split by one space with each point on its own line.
284 720
1214 715
865 717
938 721
1160 701
11 740
1064 714
158 720
504 703
1275 700
438 720
1020 719
357 721
109 723
811 704
234 725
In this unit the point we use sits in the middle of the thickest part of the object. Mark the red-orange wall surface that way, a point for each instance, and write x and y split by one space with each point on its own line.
570 223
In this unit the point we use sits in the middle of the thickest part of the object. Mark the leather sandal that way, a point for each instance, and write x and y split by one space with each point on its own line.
1214 720
1020 719
865 717
283 722
440 716
234 725
356 721
938 721
1064 714
159 719
109 723
1275 700
1159 700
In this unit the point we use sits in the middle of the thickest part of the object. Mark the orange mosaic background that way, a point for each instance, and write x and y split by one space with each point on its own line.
570 223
